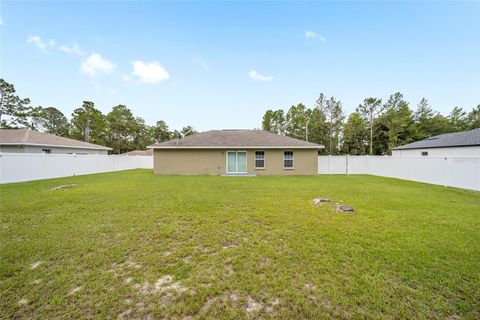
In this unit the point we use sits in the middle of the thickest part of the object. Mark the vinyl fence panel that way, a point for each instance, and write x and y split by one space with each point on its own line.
18 167
461 172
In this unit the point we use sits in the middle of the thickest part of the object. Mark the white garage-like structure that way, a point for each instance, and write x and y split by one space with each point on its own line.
457 144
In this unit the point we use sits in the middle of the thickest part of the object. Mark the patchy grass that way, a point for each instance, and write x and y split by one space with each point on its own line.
136 245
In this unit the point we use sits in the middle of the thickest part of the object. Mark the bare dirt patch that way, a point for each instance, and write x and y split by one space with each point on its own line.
229 245
23 302
164 284
265 262
253 306
125 314
75 290
309 287
119 269
228 269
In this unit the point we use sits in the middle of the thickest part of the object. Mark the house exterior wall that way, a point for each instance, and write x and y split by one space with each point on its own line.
214 161
473 151
53 150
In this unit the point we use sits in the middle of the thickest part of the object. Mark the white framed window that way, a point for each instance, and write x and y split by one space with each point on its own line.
259 159
287 159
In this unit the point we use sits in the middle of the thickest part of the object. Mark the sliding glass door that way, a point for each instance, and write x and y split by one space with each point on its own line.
236 162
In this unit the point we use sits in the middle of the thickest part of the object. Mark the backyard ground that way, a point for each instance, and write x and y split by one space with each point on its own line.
134 245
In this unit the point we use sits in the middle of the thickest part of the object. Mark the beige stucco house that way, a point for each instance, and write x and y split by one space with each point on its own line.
30 141
236 152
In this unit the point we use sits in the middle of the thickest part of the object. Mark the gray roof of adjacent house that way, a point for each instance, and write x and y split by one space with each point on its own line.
148 152
26 137
247 139
456 139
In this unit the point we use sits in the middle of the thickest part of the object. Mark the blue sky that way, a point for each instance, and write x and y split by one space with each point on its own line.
222 65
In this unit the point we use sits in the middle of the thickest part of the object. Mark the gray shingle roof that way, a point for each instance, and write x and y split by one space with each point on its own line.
248 139
456 139
35 138
148 152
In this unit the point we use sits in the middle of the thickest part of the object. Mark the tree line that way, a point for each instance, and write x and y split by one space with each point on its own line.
375 127
119 129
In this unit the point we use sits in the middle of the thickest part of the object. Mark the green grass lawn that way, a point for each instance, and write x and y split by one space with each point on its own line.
134 245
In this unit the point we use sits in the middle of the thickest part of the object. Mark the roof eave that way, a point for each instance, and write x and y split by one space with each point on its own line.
235 147
436 147
52 145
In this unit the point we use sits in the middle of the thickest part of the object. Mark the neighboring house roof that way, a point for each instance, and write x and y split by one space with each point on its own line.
148 152
456 139
247 139
28 137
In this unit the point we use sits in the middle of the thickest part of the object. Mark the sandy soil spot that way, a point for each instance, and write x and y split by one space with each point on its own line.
252 306
207 304
75 290
229 270
125 314
310 287
265 262
23 302
229 245
164 284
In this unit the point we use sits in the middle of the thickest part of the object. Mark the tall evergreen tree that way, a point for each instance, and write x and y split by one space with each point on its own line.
51 120
473 118
121 128
317 127
423 120
187 131
458 119
14 111
161 132
398 119
274 121
142 134
370 110
334 117
88 124
296 121
355 135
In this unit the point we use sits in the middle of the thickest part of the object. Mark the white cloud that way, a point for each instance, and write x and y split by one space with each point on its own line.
40 44
95 64
310 34
148 72
75 49
200 61
258 77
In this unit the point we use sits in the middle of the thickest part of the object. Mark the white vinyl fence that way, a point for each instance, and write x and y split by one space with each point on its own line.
460 172
18 167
